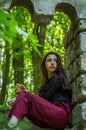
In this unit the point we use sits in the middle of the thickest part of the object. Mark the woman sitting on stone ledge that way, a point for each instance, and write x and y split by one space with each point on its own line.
52 108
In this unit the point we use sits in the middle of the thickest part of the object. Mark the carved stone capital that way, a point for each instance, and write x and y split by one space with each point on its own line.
6 4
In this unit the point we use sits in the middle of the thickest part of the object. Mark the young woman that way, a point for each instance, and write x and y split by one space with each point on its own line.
52 108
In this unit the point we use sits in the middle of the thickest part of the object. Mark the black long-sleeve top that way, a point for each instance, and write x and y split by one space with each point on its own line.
53 91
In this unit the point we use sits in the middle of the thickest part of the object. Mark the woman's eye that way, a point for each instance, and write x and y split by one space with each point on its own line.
48 59
55 60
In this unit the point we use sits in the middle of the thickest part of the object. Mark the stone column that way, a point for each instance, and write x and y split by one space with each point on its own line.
6 4
76 66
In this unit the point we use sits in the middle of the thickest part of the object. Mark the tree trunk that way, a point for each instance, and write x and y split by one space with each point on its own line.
5 69
39 30
18 61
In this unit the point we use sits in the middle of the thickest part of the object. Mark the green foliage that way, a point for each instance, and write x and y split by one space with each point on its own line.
32 39
17 28
55 34
34 43
7 25
9 28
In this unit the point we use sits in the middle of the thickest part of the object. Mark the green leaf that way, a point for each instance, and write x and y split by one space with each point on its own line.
33 39
21 32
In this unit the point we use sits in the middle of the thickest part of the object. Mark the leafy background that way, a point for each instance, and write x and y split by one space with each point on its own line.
22 47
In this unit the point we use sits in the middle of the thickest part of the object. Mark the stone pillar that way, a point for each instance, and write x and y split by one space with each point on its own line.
76 65
6 4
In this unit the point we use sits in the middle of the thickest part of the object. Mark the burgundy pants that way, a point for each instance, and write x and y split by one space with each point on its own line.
41 112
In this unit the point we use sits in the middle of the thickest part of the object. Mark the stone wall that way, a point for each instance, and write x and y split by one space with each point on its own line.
75 61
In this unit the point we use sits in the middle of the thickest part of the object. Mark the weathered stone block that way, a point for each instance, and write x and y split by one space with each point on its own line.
69 55
70 72
75 66
80 42
74 93
79 66
81 8
76 127
69 37
80 27
79 89
76 49
79 115
6 4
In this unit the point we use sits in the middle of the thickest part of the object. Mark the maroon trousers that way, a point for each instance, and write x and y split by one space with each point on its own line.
41 112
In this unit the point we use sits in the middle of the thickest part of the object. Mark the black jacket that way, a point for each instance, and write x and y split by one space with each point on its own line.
53 92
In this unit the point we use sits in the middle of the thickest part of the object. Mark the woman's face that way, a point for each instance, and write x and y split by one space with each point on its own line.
51 63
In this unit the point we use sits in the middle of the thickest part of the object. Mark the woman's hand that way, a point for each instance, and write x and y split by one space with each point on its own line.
11 101
19 88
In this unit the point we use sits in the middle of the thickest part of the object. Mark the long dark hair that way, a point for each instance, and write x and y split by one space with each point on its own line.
60 72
